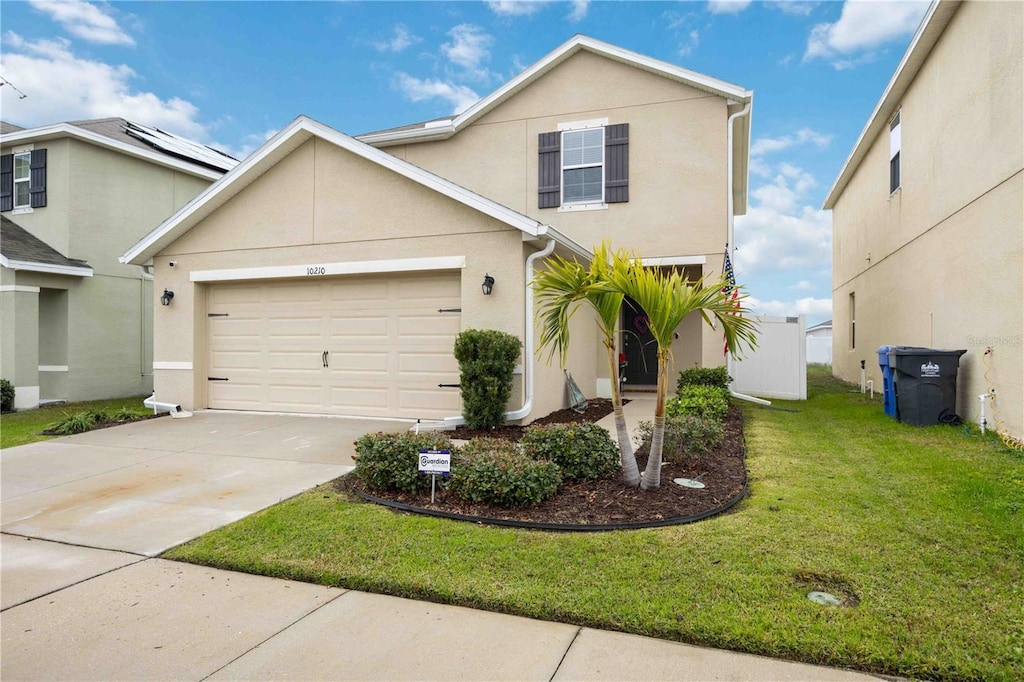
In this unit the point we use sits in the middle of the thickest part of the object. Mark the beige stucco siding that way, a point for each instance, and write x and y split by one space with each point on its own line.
939 262
677 155
323 205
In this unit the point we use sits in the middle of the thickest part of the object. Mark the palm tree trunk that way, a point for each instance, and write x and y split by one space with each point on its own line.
652 473
630 470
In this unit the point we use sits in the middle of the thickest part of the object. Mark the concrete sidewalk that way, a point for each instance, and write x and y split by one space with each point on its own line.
150 619
639 408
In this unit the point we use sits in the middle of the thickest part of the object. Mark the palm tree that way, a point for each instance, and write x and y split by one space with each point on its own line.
561 289
666 298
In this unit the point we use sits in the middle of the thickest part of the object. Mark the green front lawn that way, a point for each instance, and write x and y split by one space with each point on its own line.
922 527
20 428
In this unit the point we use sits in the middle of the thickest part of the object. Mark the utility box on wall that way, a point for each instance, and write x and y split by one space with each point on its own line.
777 368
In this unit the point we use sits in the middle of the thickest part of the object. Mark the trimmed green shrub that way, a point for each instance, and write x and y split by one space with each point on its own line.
703 401
487 359
125 415
581 450
497 472
80 422
390 461
687 436
6 395
704 376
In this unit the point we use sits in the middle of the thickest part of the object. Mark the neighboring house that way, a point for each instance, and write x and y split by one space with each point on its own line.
928 209
328 274
819 343
76 323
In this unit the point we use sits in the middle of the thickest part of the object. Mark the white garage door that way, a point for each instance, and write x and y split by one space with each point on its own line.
367 345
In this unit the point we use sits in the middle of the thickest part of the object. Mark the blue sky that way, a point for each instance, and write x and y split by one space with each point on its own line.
230 74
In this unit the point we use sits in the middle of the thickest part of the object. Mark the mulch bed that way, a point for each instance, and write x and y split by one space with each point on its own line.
607 501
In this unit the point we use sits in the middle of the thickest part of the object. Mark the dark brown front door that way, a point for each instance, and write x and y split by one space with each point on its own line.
639 346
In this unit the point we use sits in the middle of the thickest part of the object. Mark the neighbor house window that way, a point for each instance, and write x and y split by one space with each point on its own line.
22 163
894 153
23 180
853 321
583 165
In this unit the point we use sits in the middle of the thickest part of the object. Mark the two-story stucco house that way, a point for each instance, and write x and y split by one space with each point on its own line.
75 323
331 274
928 211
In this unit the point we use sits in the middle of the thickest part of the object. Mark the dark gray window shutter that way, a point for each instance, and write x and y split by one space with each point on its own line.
616 163
37 178
549 173
6 182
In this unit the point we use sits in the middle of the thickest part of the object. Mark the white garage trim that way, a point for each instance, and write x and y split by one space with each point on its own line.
163 364
674 260
325 269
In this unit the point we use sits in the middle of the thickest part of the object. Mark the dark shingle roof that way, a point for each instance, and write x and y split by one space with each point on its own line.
17 244
6 127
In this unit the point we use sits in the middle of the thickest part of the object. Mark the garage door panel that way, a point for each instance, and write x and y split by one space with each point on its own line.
388 346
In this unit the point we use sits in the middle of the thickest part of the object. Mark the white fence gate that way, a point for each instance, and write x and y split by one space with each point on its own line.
777 368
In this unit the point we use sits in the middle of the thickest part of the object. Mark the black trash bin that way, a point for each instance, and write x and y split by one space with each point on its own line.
925 382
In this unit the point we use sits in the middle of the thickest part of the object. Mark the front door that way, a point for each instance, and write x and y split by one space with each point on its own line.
639 346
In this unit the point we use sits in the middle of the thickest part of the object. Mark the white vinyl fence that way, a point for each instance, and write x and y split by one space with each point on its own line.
819 349
777 368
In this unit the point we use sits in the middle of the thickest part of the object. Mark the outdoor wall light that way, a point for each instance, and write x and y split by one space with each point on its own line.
488 285
166 298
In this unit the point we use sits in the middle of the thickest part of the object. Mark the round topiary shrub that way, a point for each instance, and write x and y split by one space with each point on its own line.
704 376
581 450
6 395
390 461
497 472
702 401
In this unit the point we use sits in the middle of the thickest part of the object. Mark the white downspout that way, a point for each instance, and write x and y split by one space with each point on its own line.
730 217
528 349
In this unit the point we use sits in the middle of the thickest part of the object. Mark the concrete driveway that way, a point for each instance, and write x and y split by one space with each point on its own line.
145 487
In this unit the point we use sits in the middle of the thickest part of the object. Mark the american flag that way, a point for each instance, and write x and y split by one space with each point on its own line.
730 291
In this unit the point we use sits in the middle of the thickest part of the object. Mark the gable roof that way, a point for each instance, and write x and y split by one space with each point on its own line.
935 20
444 128
291 138
134 139
21 250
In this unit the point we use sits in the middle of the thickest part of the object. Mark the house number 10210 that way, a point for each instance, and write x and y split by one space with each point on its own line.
316 270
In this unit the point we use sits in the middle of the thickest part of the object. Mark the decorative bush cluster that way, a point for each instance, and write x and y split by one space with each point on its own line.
496 471
580 450
80 422
487 359
687 437
704 376
390 461
6 395
702 401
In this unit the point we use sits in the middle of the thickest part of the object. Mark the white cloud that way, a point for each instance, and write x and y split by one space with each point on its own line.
64 87
85 21
579 10
399 41
863 27
250 143
766 145
418 90
727 6
802 285
811 307
796 7
469 48
516 8
689 44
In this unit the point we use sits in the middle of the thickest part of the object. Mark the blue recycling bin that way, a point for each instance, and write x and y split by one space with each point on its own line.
888 390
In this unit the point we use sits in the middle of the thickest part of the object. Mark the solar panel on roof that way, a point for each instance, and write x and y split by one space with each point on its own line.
179 146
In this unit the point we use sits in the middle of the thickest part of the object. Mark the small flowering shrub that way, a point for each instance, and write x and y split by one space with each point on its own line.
580 450
497 472
390 461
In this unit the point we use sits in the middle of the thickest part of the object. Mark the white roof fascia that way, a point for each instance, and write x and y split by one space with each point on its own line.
45 267
549 61
935 20
67 130
673 260
235 180
569 243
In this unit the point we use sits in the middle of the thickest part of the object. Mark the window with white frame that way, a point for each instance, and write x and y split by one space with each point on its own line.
22 174
895 142
583 166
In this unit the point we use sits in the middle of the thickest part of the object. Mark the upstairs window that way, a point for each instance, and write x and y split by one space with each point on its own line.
895 143
584 165
23 180
22 163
